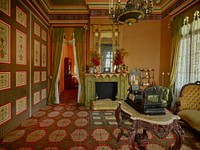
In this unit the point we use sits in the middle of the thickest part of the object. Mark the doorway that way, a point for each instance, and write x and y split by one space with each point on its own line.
68 85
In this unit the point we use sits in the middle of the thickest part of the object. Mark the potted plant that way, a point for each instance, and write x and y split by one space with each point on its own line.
118 58
95 60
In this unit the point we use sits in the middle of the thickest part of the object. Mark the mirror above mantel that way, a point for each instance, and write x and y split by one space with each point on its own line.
105 39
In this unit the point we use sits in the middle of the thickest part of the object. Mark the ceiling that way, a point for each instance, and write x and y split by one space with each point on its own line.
81 11
84 6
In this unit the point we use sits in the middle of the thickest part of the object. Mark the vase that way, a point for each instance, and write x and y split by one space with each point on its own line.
117 69
94 69
91 70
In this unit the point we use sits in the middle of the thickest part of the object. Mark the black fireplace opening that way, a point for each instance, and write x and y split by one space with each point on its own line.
106 90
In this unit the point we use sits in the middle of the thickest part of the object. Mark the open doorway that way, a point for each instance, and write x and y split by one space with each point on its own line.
68 84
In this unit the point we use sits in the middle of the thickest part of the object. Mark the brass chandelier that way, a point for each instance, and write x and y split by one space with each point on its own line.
133 11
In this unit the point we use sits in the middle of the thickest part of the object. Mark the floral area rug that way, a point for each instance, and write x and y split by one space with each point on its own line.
72 127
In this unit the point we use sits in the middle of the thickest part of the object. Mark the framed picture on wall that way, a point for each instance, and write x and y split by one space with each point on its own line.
36 77
21 48
5 113
21 105
36 53
44 55
5 80
5 6
44 94
44 35
44 75
5 42
36 29
36 98
21 17
21 78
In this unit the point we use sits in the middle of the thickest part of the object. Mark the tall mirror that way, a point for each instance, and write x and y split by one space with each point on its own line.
106 41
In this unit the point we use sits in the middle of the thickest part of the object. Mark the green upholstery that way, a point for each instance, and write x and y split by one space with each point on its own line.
165 97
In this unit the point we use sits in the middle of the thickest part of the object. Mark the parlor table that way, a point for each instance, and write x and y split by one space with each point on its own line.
160 125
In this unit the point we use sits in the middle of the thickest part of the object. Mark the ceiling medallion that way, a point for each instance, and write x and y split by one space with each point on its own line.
133 11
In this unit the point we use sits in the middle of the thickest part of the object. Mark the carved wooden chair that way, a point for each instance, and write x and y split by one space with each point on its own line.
153 94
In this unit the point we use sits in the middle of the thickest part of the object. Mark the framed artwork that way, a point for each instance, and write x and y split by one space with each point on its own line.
44 35
21 17
5 80
44 94
5 113
36 29
44 56
36 53
21 78
44 75
21 48
36 77
36 98
5 42
21 105
5 6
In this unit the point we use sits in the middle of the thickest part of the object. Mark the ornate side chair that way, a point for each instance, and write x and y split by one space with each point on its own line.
153 101
153 94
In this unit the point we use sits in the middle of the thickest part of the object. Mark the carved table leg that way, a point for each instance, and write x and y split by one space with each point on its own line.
178 131
141 138
117 116
132 134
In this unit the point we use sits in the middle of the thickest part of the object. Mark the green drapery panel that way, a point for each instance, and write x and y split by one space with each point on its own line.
79 42
177 24
57 43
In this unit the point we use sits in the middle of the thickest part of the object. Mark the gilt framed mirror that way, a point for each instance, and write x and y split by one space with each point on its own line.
106 41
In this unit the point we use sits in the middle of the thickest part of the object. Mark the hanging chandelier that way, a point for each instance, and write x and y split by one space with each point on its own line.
133 11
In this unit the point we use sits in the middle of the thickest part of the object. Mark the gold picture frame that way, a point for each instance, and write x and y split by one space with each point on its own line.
5 80
21 17
21 105
5 7
21 78
36 53
5 113
5 43
21 48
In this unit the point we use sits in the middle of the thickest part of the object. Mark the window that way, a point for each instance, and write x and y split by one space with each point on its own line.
188 69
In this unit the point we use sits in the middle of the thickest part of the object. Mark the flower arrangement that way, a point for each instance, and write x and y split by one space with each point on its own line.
95 58
119 57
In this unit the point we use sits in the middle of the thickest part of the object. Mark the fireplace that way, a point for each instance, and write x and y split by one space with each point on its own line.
118 83
106 90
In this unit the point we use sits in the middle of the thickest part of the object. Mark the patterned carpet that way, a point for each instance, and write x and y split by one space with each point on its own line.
69 126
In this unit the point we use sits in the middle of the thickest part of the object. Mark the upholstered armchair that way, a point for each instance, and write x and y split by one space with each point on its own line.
188 105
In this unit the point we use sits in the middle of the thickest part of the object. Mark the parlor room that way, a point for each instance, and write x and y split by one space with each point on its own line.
99 74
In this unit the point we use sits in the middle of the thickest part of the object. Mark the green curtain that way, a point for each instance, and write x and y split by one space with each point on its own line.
79 42
177 24
57 43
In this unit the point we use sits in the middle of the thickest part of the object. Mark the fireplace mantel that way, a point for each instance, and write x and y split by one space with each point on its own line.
91 79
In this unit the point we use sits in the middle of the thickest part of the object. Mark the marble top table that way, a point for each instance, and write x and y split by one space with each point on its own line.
160 125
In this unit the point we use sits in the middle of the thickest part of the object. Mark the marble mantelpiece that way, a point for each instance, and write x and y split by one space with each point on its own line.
91 79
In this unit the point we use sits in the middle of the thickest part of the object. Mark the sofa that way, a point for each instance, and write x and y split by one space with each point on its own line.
188 105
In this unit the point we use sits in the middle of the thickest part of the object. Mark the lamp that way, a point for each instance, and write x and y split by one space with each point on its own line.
133 11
